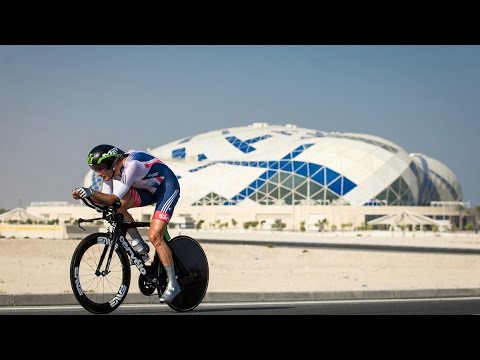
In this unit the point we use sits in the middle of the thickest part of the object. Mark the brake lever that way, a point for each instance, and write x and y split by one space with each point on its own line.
79 221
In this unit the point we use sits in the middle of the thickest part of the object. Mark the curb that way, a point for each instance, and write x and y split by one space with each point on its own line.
349 246
218 297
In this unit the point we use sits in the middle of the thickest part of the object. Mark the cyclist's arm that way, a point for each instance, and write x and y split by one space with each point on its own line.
107 186
132 170
103 199
117 189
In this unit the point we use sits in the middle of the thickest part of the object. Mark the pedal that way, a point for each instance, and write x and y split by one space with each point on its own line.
150 275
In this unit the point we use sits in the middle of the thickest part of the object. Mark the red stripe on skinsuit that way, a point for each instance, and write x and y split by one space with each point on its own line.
137 200
149 165
159 215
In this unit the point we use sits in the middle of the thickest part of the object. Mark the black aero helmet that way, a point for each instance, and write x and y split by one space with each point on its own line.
103 156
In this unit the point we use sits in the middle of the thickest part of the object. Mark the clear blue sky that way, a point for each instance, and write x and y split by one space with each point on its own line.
57 102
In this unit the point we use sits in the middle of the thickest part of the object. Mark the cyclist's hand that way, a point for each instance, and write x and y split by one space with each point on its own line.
82 192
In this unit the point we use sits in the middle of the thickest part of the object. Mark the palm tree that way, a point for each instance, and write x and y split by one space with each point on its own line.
475 218
321 224
460 209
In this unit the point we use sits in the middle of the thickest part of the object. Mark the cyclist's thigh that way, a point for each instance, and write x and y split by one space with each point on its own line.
141 197
167 199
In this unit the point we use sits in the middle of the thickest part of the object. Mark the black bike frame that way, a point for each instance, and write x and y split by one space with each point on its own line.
119 234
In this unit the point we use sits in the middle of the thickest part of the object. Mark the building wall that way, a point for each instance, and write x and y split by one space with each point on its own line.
292 216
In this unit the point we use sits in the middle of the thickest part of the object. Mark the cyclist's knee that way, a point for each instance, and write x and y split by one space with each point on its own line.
156 231
123 210
125 204
156 238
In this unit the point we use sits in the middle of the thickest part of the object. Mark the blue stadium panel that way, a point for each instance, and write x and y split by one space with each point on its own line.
202 167
300 168
336 186
337 183
331 175
178 153
373 202
244 146
348 185
317 173
240 145
257 139
286 165
296 152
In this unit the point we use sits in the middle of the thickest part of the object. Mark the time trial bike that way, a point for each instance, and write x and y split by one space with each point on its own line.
100 271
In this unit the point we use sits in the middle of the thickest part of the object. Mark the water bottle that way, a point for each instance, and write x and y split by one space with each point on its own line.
138 247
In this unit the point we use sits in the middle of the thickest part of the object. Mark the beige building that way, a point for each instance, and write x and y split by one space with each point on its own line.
294 217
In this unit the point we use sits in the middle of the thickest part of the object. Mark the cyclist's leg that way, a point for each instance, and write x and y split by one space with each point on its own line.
133 198
155 235
163 212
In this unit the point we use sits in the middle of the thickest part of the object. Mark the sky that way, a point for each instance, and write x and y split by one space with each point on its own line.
58 102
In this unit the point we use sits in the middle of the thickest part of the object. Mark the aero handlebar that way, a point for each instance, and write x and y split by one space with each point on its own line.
104 209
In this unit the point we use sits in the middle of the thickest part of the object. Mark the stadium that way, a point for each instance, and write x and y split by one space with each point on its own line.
272 174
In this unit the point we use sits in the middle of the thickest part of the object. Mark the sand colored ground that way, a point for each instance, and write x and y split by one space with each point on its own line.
42 267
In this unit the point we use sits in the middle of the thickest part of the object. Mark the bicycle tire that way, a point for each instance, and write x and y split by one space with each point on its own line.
97 293
194 287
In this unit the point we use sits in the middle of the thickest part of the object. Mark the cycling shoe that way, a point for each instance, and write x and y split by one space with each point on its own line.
170 293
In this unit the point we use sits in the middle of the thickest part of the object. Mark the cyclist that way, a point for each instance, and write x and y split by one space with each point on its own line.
137 179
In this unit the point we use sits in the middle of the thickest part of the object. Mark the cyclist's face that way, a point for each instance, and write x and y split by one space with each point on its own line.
104 173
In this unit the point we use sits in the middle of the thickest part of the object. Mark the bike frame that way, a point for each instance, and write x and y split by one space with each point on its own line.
118 235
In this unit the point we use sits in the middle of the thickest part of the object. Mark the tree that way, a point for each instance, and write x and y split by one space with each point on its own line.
460 209
346 225
278 225
321 224
199 224
475 220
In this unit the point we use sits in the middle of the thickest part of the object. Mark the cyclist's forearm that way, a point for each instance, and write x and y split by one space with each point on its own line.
104 199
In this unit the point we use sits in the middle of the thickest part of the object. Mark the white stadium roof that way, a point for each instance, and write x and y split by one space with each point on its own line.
264 164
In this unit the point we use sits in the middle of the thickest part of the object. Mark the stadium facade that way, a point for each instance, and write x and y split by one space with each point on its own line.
300 176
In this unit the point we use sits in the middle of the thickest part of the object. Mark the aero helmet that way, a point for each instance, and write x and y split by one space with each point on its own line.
103 157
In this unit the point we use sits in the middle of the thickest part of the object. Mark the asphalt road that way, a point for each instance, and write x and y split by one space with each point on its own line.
438 306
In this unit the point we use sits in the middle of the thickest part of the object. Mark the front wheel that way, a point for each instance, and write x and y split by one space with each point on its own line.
97 288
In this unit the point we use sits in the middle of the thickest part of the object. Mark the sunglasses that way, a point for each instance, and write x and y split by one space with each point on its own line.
99 167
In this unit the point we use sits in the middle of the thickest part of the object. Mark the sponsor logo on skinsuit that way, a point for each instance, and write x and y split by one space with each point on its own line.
162 216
